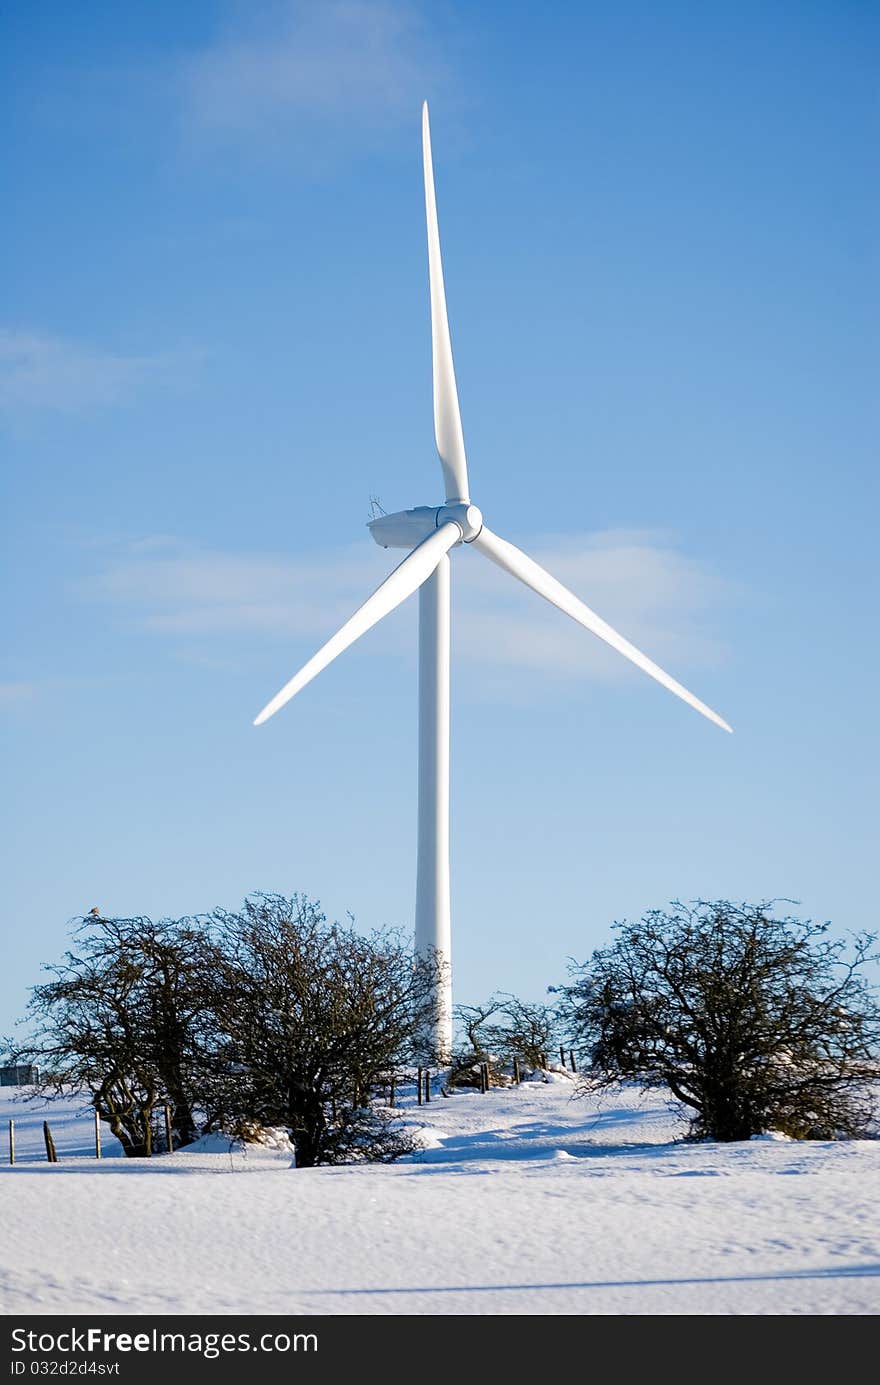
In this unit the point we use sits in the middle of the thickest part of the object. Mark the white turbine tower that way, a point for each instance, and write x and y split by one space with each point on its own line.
431 532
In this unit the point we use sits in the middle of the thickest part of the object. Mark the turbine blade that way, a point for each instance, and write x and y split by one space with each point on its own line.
518 564
447 417
400 584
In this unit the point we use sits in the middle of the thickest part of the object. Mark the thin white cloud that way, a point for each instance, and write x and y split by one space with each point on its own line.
655 595
309 66
13 693
172 589
44 373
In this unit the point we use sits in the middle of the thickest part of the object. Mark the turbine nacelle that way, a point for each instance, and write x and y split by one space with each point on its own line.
406 528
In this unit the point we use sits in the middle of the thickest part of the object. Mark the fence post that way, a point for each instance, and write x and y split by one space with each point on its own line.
169 1135
419 1085
573 1063
97 1134
51 1152
12 1142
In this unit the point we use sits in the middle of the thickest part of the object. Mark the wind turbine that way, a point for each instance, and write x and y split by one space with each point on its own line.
431 532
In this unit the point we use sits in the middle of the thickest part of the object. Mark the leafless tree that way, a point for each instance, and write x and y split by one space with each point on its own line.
473 1048
311 1018
754 1022
527 1030
499 1030
125 1018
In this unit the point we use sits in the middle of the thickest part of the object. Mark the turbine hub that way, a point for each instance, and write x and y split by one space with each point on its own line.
468 518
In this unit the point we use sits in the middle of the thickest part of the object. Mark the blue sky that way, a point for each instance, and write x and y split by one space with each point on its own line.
658 224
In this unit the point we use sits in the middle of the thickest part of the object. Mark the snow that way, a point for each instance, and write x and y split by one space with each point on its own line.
217 1143
520 1201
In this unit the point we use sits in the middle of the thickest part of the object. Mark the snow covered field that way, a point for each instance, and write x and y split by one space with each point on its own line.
522 1202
